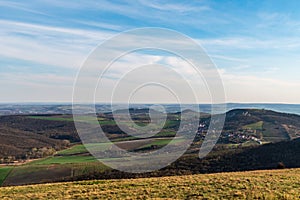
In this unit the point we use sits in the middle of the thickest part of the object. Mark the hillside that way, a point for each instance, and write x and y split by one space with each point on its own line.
266 125
24 137
17 144
223 159
45 125
35 136
269 184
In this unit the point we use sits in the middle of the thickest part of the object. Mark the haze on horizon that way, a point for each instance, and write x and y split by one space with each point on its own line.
254 44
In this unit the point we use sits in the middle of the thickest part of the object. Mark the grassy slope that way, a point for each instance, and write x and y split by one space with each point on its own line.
254 126
76 149
4 171
162 142
276 184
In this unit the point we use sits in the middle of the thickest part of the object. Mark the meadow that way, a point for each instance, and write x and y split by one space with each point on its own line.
267 184
254 126
4 171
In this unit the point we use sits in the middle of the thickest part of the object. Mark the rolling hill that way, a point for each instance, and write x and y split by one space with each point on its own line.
22 134
269 126
252 139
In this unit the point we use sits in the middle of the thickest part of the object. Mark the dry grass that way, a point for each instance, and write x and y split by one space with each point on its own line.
269 184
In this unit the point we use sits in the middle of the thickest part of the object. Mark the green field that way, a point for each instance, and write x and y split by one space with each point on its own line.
4 171
166 134
79 153
254 126
161 142
64 160
52 118
268 184
80 149
75 154
171 123
76 149
88 119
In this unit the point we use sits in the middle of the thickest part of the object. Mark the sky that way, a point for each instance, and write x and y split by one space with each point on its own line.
255 45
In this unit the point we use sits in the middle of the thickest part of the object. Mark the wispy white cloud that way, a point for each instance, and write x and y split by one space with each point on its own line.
171 7
228 58
282 43
44 30
151 12
283 21
102 25
21 6
48 45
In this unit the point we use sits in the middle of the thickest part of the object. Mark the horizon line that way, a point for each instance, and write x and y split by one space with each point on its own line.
141 103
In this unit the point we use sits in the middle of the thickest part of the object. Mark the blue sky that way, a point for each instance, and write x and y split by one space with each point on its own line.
254 44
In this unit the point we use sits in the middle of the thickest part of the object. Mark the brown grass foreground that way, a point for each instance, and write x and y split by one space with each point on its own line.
267 184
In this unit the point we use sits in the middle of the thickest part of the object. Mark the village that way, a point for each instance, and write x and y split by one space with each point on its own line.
236 137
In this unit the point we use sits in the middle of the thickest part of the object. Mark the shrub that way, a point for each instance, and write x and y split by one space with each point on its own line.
280 165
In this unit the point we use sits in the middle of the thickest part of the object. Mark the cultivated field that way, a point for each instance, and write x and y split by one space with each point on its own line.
268 184
4 171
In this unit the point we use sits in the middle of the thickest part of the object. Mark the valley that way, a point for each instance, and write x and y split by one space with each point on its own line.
251 139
